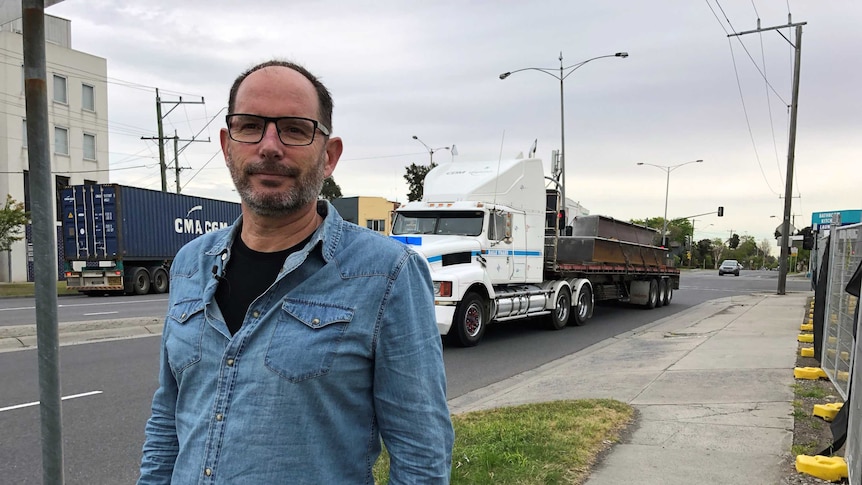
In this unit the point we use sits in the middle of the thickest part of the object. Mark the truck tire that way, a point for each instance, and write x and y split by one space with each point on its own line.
140 281
652 299
471 317
559 317
159 280
584 309
668 294
662 289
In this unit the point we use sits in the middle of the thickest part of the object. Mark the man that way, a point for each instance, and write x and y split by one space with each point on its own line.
294 340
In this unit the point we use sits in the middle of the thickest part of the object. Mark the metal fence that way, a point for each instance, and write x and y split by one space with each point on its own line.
840 346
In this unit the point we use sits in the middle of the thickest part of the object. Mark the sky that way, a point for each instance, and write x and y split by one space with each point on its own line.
404 68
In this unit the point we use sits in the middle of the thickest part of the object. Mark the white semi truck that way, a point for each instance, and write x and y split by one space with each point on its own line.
499 248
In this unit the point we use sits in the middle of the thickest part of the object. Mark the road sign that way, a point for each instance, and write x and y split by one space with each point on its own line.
821 220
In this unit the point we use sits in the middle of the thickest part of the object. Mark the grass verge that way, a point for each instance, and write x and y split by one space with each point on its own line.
29 289
544 443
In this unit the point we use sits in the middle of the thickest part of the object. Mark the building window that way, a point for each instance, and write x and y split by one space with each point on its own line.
89 146
24 133
61 141
60 94
378 225
88 97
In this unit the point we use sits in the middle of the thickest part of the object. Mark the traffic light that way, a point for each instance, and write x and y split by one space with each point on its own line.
721 211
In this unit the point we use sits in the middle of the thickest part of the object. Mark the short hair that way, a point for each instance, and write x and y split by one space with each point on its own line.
324 98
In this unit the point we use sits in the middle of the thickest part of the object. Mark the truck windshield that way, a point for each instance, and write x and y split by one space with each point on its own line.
462 223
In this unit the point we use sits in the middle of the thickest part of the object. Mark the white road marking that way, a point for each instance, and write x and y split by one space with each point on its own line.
99 313
86 304
36 403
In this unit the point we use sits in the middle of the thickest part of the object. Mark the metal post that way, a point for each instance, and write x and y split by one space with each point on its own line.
562 144
177 160
44 240
162 165
666 192
788 185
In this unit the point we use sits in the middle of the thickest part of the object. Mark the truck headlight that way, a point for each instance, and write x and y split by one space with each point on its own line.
443 288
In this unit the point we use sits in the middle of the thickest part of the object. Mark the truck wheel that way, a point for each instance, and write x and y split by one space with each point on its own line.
159 279
140 281
652 300
470 321
584 310
668 294
559 318
662 291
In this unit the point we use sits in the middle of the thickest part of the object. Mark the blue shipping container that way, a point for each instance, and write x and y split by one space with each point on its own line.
116 222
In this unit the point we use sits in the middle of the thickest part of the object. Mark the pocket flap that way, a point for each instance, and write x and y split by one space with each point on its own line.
317 315
183 310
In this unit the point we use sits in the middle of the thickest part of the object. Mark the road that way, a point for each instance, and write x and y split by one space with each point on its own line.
80 308
111 383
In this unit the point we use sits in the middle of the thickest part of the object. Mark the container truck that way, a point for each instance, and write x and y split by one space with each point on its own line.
123 239
500 247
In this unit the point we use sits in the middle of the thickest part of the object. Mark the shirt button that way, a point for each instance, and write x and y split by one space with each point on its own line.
208 472
255 314
183 315
230 362
223 256
219 417
315 321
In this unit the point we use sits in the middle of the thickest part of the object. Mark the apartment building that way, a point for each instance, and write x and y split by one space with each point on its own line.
375 213
77 119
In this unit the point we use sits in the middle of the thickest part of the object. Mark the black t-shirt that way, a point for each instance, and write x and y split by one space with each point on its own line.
248 274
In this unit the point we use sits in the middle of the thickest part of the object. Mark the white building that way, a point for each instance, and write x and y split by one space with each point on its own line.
77 124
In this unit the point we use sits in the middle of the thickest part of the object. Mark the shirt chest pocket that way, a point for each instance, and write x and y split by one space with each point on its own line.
306 339
185 325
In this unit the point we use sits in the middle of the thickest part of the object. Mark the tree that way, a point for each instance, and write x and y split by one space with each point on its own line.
677 229
717 249
330 189
415 178
733 243
12 219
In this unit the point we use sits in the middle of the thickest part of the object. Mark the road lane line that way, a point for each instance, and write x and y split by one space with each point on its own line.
36 403
99 313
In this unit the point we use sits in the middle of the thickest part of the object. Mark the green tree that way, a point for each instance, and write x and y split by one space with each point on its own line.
677 229
415 178
330 189
733 243
13 217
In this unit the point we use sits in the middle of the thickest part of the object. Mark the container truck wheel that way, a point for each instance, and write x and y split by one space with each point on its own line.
652 299
140 281
159 280
584 310
668 292
470 321
662 288
559 318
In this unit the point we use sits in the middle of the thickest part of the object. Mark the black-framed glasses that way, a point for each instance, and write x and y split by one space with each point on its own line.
292 130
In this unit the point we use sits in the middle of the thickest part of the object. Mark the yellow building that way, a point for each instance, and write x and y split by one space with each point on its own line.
375 213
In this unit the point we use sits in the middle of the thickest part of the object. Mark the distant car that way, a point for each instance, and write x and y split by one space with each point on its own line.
729 266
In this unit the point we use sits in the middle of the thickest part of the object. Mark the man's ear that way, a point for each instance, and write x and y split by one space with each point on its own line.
334 147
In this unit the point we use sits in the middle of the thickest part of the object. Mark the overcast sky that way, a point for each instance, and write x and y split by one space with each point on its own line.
400 68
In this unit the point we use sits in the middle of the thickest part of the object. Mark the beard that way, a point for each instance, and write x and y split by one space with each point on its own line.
306 188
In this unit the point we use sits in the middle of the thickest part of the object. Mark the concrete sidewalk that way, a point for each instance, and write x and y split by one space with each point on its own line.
712 386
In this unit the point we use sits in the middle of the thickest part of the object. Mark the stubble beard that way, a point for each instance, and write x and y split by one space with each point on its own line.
306 188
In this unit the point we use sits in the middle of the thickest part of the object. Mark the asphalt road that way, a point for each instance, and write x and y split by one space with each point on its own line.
81 308
109 385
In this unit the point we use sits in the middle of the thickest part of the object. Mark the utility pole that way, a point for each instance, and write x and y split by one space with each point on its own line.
791 149
177 150
161 138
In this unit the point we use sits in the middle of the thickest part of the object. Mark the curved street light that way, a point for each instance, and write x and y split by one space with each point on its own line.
430 150
563 74
668 169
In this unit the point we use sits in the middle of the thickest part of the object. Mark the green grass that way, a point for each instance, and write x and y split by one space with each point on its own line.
813 392
547 443
29 289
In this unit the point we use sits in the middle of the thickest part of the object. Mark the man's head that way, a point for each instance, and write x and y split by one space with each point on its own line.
279 155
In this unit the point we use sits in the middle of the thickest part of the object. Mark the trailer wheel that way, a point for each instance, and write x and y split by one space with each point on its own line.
584 310
662 289
470 321
559 318
668 292
159 279
652 300
140 281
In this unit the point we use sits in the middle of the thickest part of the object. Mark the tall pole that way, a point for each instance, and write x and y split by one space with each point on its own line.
562 144
44 240
162 165
664 226
788 184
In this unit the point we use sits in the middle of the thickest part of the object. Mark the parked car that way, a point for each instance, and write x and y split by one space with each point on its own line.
729 266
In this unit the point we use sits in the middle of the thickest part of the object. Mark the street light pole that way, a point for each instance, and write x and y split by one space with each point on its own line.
430 150
668 169
561 183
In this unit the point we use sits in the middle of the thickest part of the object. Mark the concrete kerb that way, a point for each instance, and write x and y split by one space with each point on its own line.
20 337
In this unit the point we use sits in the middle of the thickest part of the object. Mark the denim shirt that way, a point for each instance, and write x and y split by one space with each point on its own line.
341 351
